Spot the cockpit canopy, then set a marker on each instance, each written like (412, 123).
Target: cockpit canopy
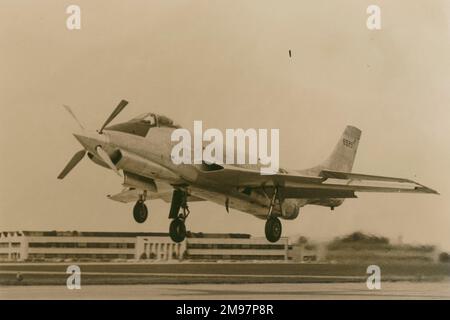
(141, 124)
(156, 120)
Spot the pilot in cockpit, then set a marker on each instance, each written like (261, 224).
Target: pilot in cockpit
(143, 123)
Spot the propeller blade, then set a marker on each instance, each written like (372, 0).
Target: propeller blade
(114, 114)
(69, 110)
(105, 157)
(72, 163)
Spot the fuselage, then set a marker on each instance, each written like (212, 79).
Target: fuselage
(149, 156)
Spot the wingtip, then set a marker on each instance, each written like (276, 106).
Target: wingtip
(429, 190)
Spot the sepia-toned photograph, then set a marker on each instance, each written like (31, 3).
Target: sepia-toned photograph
(225, 150)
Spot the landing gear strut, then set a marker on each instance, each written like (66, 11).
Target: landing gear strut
(273, 227)
(140, 211)
(177, 229)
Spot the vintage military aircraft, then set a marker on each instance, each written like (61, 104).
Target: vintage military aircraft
(141, 148)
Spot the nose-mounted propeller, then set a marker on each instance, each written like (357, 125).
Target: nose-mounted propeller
(99, 150)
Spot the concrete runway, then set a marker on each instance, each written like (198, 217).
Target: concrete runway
(344, 291)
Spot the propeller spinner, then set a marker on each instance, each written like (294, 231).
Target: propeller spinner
(92, 142)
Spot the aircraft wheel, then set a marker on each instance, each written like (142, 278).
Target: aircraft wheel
(273, 229)
(140, 212)
(177, 230)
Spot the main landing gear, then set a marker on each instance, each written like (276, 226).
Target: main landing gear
(140, 211)
(273, 227)
(177, 229)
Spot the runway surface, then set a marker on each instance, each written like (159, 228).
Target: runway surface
(344, 291)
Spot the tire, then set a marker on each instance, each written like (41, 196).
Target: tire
(273, 229)
(140, 212)
(177, 230)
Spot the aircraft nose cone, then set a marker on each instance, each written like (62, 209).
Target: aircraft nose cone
(81, 139)
(90, 140)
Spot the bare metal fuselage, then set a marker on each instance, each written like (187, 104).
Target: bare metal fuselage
(150, 157)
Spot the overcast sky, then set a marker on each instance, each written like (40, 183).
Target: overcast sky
(227, 63)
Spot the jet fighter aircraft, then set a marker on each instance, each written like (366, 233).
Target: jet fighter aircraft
(141, 149)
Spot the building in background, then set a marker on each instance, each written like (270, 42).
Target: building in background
(61, 245)
(110, 246)
(211, 247)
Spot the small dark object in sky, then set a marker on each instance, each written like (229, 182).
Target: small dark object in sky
(290, 55)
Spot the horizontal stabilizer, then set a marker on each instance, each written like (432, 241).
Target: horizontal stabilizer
(414, 186)
(357, 176)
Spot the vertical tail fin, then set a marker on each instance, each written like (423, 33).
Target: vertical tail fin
(343, 155)
(341, 159)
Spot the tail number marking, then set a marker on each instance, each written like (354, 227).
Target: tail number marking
(348, 143)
